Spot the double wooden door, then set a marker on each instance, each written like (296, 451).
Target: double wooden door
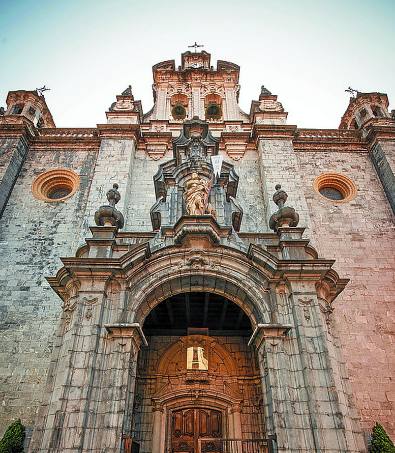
(189, 425)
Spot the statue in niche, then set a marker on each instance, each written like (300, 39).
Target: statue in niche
(196, 195)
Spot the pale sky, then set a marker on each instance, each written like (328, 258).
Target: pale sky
(305, 51)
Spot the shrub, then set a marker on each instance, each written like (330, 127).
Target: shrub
(12, 441)
(380, 442)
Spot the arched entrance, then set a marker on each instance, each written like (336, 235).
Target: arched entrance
(198, 381)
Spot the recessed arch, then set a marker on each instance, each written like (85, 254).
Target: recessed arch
(220, 270)
(253, 301)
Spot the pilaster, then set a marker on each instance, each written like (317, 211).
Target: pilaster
(14, 146)
(114, 164)
(278, 163)
(381, 139)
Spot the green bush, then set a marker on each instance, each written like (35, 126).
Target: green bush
(12, 441)
(380, 442)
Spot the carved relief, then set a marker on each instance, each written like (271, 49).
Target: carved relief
(70, 298)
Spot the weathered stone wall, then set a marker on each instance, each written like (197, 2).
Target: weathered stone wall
(360, 236)
(250, 193)
(142, 191)
(151, 383)
(383, 158)
(33, 235)
(279, 165)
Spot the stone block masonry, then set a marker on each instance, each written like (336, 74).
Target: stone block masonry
(33, 235)
(360, 235)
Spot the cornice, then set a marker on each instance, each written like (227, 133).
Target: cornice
(341, 140)
(379, 132)
(119, 131)
(17, 130)
(273, 132)
(66, 138)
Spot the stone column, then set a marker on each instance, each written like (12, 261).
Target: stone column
(64, 416)
(196, 102)
(287, 413)
(235, 413)
(158, 431)
(111, 402)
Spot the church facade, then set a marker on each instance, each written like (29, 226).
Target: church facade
(197, 278)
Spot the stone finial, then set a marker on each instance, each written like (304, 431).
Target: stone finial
(128, 91)
(265, 91)
(108, 215)
(286, 215)
(113, 196)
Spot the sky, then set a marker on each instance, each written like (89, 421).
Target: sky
(305, 51)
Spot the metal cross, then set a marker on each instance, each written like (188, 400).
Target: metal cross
(196, 45)
(353, 92)
(40, 91)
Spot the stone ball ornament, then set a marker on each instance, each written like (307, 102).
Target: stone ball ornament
(286, 215)
(108, 215)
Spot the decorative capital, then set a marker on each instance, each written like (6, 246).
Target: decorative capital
(108, 215)
(286, 215)
(271, 332)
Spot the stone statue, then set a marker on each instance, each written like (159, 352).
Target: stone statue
(196, 195)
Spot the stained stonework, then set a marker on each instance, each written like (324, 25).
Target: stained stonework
(315, 370)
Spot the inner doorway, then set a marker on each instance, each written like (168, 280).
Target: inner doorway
(198, 382)
(191, 424)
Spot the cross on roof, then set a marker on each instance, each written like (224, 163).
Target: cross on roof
(196, 45)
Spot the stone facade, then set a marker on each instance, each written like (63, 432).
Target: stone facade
(320, 346)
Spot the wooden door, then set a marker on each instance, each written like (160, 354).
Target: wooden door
(188, 425)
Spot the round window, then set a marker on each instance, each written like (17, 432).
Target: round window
(331, 193)
(335, 187)
(55, 185)
(213, 111)
(179, 112)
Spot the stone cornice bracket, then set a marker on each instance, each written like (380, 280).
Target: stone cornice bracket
(156, 144)
(126, 330)
(330, 286)
(271, 332)
(383, 129)
(235, 143)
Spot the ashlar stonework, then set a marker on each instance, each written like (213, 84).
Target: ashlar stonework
(204, 282)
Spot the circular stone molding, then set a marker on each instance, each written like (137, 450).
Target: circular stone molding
(55, 185)
(333, 185)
